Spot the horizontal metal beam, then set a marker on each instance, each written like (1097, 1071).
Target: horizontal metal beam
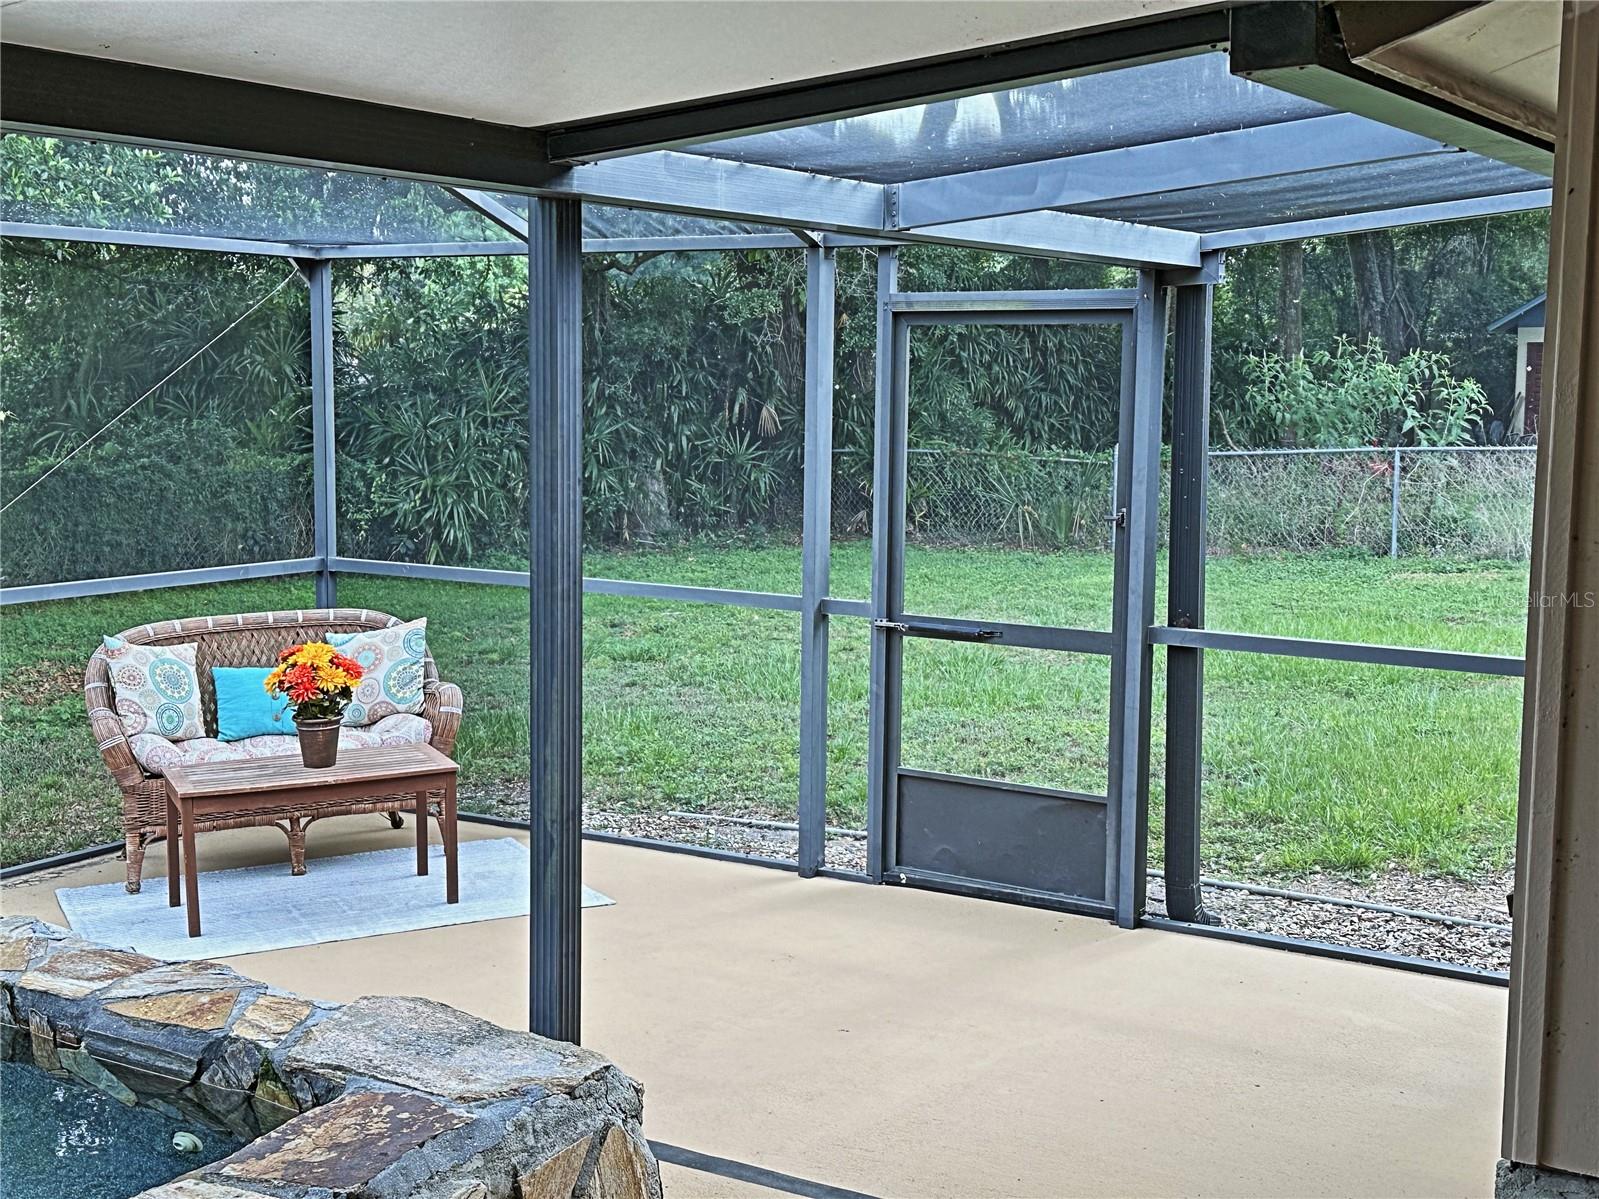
(437, 249)
(429, 570)
(1340, 651)
(156, 239)
(519, 578)
(969, 72)
(1207, 160)
(76, 589)
(437, 572)
(1069, 235)
(673, 182)
(163, 240)
(76, 95)
(1392, 218)
(1112, 301)
(665, 245)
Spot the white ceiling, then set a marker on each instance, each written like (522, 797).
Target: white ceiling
(1501, 59)
(538, 62)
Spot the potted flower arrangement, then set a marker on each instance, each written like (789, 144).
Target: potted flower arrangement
(319, 682)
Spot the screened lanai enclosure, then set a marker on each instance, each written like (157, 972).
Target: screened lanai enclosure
(1005, 502)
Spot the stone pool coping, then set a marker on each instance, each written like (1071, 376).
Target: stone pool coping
(377, 1099)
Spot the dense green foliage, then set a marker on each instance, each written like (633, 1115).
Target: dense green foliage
(1353, 394)
(1435, 287)
(693, 373)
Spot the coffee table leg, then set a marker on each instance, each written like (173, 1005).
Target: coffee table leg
(421, 832)
(174, 884)
(191, 873)
(452, 870)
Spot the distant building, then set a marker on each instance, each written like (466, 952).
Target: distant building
(1527, 321)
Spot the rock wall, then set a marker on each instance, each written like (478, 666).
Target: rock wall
(378, 1099)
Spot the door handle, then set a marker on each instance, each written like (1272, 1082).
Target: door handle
(938, 630)
(1118, 518)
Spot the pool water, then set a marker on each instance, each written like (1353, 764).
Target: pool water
(65, 1141)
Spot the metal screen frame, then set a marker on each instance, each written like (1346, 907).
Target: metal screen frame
(1130, 645)
(1140, 316)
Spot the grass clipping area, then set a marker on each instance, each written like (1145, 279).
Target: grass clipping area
(1309, 766)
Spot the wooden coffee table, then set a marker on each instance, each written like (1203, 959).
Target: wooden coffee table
(268, 786)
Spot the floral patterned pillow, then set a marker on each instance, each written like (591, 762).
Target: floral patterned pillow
(156, 687)
(392, 660)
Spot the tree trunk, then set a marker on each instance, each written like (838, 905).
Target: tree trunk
(1290, 299)
(1379, 306)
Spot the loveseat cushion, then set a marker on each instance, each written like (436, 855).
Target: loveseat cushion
(157, 690)
(157, 755)
(393, 661)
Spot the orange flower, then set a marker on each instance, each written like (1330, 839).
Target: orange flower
(349, 665)
(317, 678)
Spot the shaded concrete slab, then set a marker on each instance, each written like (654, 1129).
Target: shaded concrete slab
(905, 1043)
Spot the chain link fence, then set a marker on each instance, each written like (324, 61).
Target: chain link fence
(981, 497)
(1456, 501)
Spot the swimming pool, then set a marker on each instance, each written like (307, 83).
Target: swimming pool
(62, 1139)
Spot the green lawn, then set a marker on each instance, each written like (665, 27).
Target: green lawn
(1308, 764)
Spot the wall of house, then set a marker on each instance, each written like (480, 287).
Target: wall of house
(1524, 336)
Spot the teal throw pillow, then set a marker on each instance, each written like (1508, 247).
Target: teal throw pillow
(244, 709)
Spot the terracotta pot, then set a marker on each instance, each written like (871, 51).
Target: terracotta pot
(319, 741)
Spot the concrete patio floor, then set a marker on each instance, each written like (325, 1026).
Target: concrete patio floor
(905, 1043)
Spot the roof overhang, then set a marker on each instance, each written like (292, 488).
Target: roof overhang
(1426, 67)
(1024, 208)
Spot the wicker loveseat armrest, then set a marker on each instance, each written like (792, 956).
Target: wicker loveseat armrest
(442, 707)
(106, 725)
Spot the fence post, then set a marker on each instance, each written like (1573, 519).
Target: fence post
(1393, 511)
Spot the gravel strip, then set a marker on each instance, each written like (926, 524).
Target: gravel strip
(1478, 899)
(843, 853)
(1483, 948)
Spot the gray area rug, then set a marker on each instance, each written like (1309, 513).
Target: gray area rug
(257, 908)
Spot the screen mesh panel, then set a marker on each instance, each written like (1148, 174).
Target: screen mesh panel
(1370, 187)
(1134, 106)
(98, 185)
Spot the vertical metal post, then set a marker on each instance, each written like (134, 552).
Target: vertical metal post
(555, 524)
(1185, 600)
(888, 533)
(1138, 502)
(324, 508)
(820, 278)
(1393, 510)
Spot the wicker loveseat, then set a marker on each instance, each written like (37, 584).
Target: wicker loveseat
(250, 639)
